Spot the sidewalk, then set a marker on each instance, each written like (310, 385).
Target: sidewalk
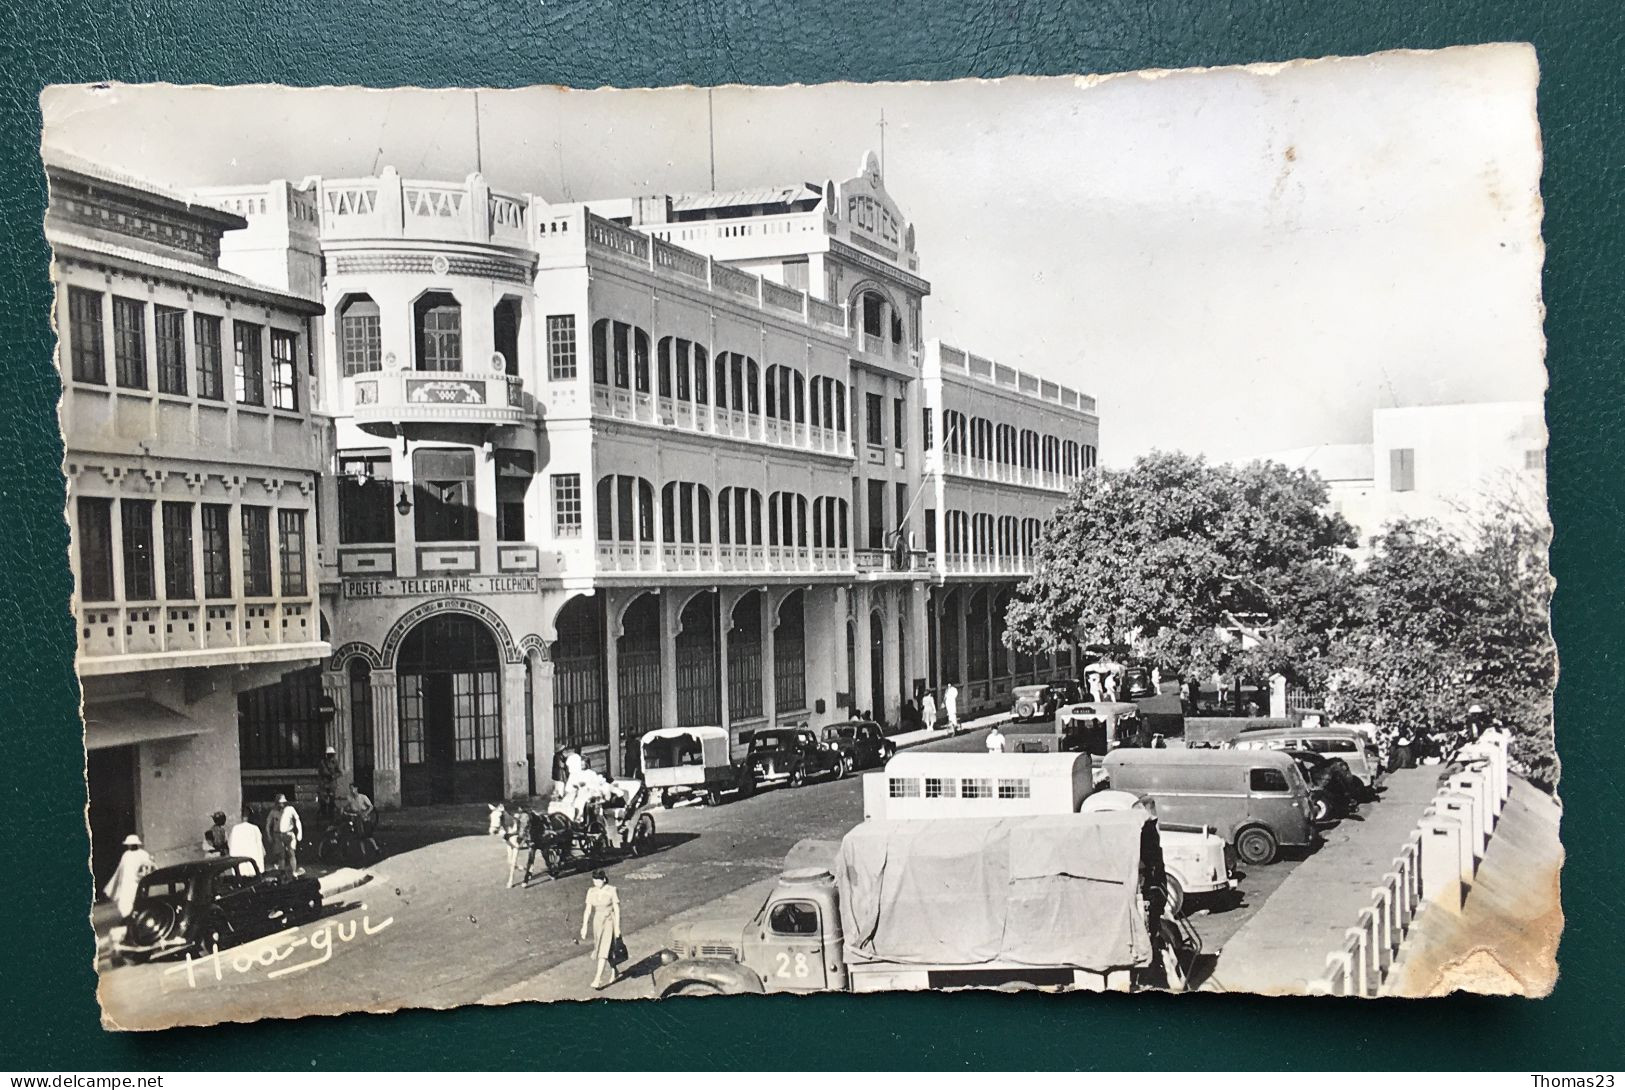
(1502, 943)
(1283, 948)
(920, 737)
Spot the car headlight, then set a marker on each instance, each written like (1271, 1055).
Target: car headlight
(668, 956)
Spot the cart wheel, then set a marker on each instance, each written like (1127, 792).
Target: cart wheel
(643, 834)
(1176, 895)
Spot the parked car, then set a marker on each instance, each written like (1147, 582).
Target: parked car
(1258, 800)
(793, 755)
(861, 742)
(1031, 703)
(1334, 791)
(211, 904)
(1352, 745)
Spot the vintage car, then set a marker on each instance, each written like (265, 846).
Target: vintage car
(861, 742)
(211, 904)
(793, 755)
(1197, 861)
(1099, 727)
(1031, 703)
(1334, 791)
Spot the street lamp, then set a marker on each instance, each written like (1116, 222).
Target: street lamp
(404, 504)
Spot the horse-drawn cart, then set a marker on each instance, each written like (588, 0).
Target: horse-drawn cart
(608, 829)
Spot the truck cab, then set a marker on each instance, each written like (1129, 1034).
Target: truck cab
(792, 944)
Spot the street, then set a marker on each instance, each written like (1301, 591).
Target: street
(438, 920)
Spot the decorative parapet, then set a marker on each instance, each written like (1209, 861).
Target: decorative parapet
(980, 369)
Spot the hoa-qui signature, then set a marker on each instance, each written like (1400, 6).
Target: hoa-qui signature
(278, 948)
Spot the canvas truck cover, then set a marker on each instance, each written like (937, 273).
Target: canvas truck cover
(1055, 890)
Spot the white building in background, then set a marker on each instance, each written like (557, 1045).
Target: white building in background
(1451, 464)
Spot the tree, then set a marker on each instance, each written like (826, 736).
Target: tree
(1166, 553)
(1441, 623)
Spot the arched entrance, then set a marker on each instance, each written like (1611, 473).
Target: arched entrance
(450, 684)
(697, 674)
(361, 757)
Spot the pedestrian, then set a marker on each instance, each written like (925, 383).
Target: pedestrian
(361, 806)
(291, 831)
(135, 864)
(995, 740)
(245, 840)
(950, 700)
(273, 832)
(602, 915)
(928, 711)
(329, 773)
(216, 839)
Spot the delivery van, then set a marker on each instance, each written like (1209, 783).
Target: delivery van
(1257, 800)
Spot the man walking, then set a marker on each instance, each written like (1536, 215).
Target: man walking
(273, 832)
(995, 740)
(950, 700)
(329, 773)
(291, 831)
(135, 864)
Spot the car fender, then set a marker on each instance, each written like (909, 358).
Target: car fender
(728, 977)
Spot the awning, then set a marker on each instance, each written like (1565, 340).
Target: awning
(130, 722)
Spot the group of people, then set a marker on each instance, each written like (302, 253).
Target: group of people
(1403, 747)
(950, 706)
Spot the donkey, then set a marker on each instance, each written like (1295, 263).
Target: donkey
(520, 828)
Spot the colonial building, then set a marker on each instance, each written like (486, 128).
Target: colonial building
(605, 467)
(192, 462)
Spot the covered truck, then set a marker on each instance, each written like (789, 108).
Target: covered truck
(1068, 901)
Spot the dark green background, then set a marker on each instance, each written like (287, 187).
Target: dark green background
(49, 1016)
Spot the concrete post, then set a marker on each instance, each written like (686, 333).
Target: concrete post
(1478, 786)
(1441, 863)
(1451, 804)
(862, 676)
(386, 740)
(515, 766)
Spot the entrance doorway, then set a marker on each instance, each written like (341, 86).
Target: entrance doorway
(111, 778)
(450, 677)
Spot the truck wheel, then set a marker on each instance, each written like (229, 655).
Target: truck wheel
(1175, 905)
(1256, 846)
(1321, 809)
(693, 987)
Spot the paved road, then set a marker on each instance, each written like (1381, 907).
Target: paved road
(440, 929)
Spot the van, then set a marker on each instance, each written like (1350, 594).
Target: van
(1350, 744)
(1257, 799)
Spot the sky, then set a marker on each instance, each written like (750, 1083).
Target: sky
(1232, 261)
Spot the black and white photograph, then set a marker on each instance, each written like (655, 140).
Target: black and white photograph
(1081, 534)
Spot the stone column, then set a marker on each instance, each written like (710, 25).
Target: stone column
(515, 765)
(669, 631)
(336, 687)
(770, 680)
(725, 620)
(612, 678)
(863, 678)
(541, 720)
(914, 623)
(962, 621)
(386, 740)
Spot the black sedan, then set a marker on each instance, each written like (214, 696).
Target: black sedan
(861, 742)
(200, 907)
(1334, 791)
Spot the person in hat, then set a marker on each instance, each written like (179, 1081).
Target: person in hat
(245, 840)
(135, 864)
(602, 916)
(330, 773)
(290, 831)
(216, 838)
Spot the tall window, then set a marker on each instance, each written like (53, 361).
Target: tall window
(291, 541)
(561, 347)
(444, 483)
(505, 332)
(210, 369)
(898, 426)
(85, 335)
(130, 343)
(177, 550)
(284, 372)
(216, 550)
(169, 324)
(566, 505)
(877, 514)
(366, 499)
(256, 551)
(361, 338)
(925, 429)
(249, 368)
(136, 516)
(439, 322)
(280, 725)
(95, 549)
(876, 427)
(515, 470)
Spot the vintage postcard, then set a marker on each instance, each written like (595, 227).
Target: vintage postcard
(1081, 534)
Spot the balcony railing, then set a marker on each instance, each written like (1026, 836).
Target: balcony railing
(111, 634)
(648, 556)
(710, 420)
(383, 401)
(986, 563)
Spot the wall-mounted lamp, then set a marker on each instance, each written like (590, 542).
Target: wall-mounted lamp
(404, 504)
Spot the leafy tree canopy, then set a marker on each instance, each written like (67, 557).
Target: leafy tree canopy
(1163, 554)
